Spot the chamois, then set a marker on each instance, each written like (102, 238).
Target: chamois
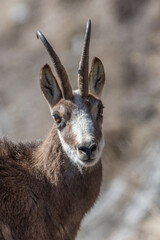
(47, 187)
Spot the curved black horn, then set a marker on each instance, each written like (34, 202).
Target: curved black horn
(84, 63)
(65, 84)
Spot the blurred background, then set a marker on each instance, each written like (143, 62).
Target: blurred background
(126, 37)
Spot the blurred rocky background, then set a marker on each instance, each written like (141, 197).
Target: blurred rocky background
(126, 37)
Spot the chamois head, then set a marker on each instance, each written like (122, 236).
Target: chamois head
(77, 114)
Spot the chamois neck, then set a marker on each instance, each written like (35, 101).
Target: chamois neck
(48, 155)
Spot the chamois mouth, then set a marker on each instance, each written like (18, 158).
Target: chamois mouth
(87, 158)
(88, 162)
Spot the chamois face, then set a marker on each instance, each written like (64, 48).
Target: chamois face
(79, 126)
(77, 114)
(79, 119)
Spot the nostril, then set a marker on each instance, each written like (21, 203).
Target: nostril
(83, 149)
(93, 147)
(88, 151)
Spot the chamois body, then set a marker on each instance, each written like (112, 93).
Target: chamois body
(43, 197)
(47, 187)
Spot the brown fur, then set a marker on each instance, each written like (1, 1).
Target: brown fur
(42, 194)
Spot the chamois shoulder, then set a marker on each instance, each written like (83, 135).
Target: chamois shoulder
(16, 152)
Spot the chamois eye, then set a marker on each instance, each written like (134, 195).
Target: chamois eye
(57, 118)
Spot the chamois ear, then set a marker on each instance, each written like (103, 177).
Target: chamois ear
(49, 86)
(96, 77)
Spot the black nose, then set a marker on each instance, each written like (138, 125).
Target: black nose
(88, 150)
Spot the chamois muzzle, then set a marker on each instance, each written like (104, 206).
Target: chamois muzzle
(87, 152)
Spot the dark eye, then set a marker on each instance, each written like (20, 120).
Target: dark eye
(57, 118)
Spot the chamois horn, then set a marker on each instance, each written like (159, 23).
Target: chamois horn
(64, 80)
(84, 63)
